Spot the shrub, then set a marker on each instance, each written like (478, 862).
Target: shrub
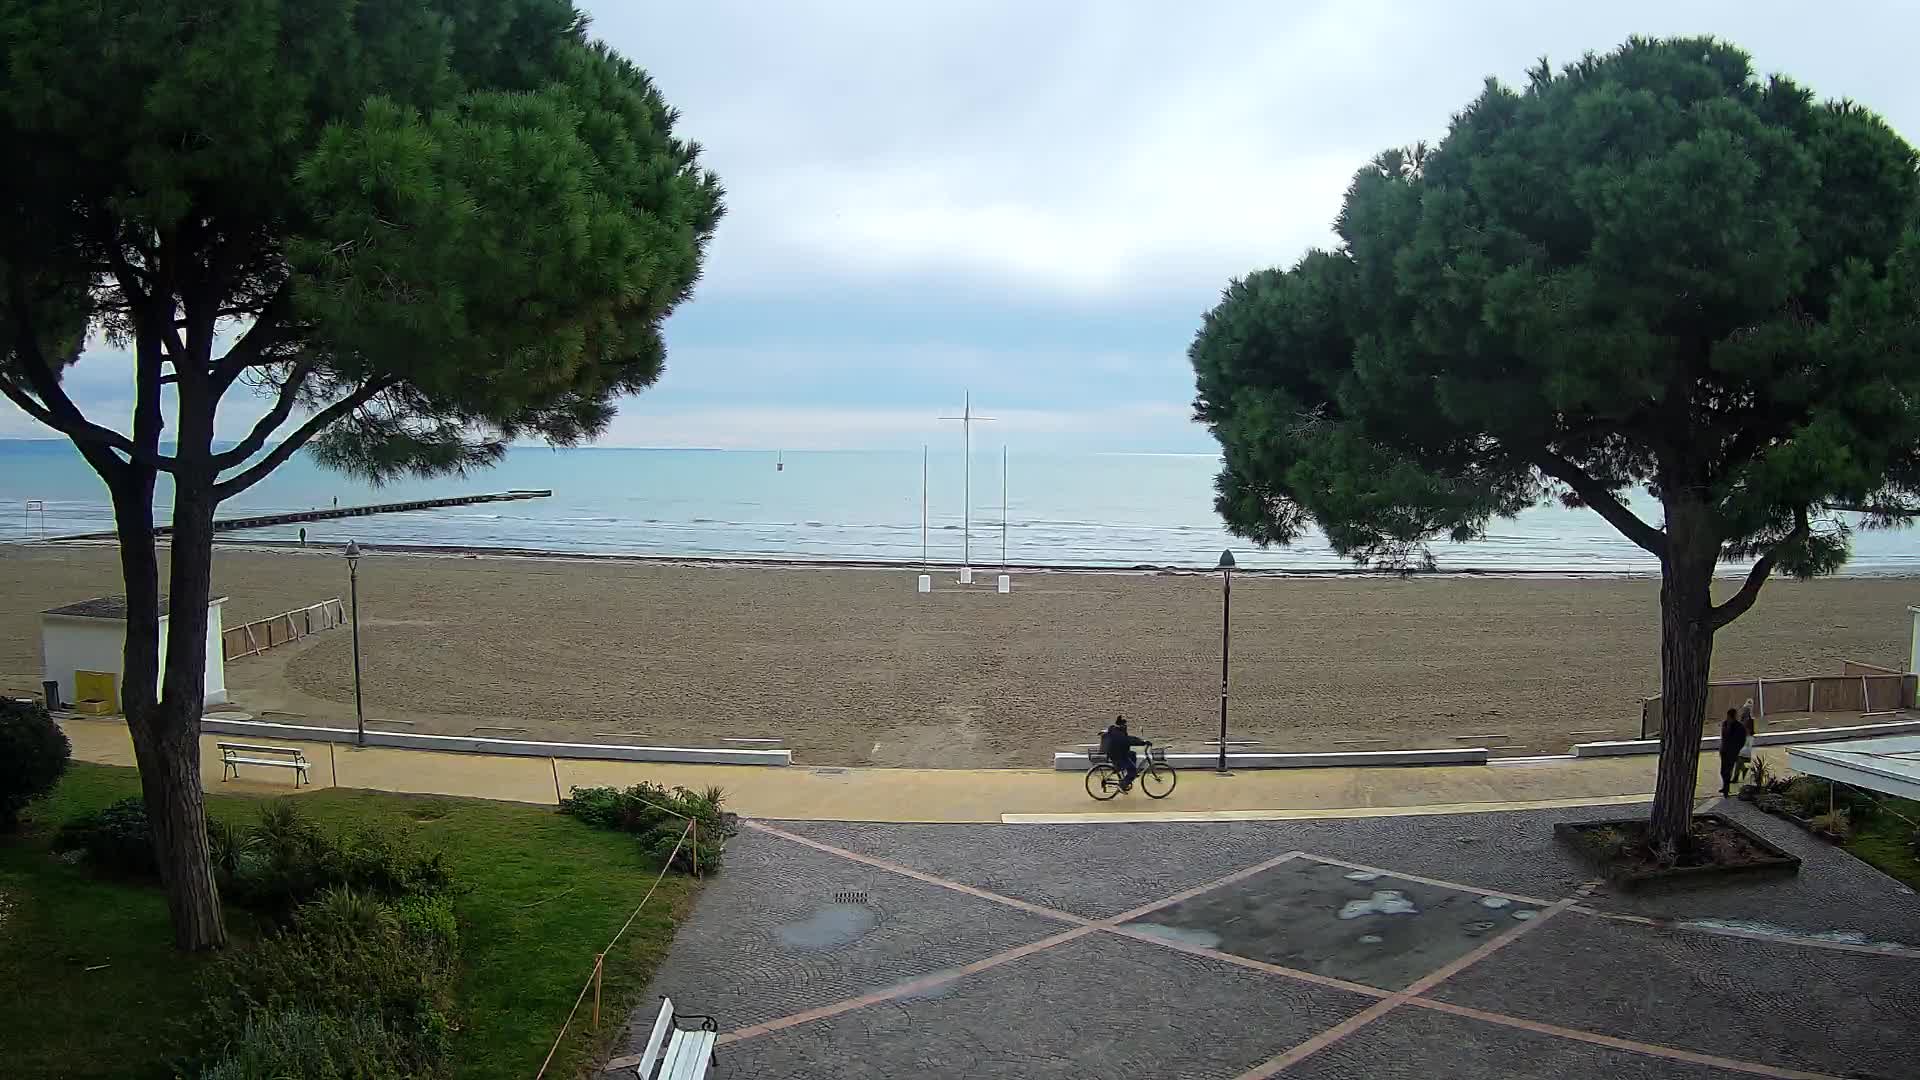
(358, 960)
(33, 757)
(1760, 774)
(1808, 795)
(285, 860)
(1836, 823)
(116, 838)
(657, 815)
(276, 1044)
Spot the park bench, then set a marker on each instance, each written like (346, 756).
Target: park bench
(688, 1053)
(233, 755)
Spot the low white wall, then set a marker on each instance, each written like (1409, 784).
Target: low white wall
(1765, 738)
(513, 747)
(69, 644)
(1475, 755)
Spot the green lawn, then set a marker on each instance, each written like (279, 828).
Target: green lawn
(538, 895)
(1885, 840)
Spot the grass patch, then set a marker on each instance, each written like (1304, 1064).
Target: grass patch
(537, 894)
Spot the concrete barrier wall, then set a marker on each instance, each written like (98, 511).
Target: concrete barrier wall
(1765, 738)
(1476, 755)
(515, 747)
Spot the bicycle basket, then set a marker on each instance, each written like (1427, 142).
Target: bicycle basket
(1156, 755)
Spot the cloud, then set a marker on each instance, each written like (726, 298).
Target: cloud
(1037, 202)
(774, 427)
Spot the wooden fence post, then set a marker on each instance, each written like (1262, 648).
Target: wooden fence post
(599, 962)
(693, 830)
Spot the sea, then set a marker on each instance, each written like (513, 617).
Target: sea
(1026, 509)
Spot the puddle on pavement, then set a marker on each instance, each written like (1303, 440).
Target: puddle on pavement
(1382, 902)
(1763, 929)
(1179, 935)
(1495, 902)
(830, 927)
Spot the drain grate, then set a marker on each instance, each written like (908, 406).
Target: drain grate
(849, 898)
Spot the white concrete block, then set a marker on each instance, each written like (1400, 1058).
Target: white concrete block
(1764, 738)
(1004, 583)
(511, 747)
(926, 583)
(966, 575)
(1467, 755)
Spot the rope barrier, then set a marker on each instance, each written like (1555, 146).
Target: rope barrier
(593, 980)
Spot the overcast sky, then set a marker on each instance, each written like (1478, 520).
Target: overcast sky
(1037, 201)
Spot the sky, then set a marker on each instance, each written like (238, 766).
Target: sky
(1036, 202)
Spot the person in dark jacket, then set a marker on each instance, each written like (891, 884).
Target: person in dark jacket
(1733, 739)
(1118, 743)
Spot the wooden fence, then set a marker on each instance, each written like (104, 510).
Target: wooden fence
(1867, 689)
(257, 637)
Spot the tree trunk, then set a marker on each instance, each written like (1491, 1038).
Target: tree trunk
(1686, 657)
(180, 825)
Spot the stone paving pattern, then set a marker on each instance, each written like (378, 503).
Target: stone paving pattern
(1324, 919)
(768, 940)
(1099, 1006)
(1782, 1004)
(769, 922)
(1419, 1044)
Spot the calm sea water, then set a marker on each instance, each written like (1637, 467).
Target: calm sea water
(1061, 510)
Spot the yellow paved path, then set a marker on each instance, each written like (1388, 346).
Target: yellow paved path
(991, 795)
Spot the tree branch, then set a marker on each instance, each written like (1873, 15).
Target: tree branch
(315, 424)
(268, 424)
(1602, 501)
(267, 330)
(56, 409)
(1741, 602)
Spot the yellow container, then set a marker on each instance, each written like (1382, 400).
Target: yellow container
(97, 693)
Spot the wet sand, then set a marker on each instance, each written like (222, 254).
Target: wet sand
(851, 666)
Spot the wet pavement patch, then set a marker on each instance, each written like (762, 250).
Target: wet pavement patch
(830, 927)
(1356, 925)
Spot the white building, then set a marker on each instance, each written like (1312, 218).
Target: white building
(85, 642)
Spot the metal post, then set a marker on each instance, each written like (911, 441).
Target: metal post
(359, 707)
(1226, 634)
(966, 419)
(1003, 506)
(924, 564)
(966, 512)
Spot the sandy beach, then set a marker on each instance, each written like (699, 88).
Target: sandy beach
(852, 667)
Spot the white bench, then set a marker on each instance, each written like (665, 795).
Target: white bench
(688, 1053)
(233, 755)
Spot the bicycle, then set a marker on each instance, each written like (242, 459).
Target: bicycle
(1157, 778)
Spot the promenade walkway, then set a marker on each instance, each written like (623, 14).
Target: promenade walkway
(934, 795)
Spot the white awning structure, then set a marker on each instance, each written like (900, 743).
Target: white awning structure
(1890, 766)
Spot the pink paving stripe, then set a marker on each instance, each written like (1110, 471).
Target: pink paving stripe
(905, 989)
(1249, 962)
(1381, 1008)
(906, 871)
(1435, 978)
(1323, 1040)
(1238, 875)
(1902, 951)
(1649, 1049)
(1475, 889)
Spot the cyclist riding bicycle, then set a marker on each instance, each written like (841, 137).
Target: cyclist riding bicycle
(1117, 743)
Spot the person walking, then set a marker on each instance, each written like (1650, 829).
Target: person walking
(1734, 736)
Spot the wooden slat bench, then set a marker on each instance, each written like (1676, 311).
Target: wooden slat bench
(688, 1053)
(233, 755)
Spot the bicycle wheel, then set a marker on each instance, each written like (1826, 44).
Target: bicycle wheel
(1103, 782)
(1157, 780)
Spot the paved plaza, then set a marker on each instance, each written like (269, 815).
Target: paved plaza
(1428, 946)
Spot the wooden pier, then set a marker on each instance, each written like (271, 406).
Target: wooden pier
(299, 517)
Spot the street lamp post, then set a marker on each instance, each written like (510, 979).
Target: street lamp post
(353, 579)
(1226, 631)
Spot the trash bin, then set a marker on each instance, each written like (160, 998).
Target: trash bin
(51, 691)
